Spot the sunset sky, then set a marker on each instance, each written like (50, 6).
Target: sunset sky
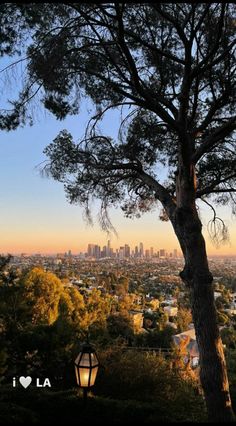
(35, 216)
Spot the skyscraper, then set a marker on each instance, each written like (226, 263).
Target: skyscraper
(127, 250)
(91, 250)
(104, 251)
(162, 253)
(141, 249)
(97, 251)
(121, 252)
(108, 248)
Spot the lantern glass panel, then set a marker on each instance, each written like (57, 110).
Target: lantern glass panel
(77, 375)
(84, 376)
(93, 375)
(94, 360)
(85, 361)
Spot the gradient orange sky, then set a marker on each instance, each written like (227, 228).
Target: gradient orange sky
(63, 229)
(35, 216)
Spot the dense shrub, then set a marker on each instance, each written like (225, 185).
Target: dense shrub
(147, 377)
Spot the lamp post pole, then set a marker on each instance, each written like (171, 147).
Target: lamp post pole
(85, 396)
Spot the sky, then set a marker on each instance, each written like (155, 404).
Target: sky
(35, 216)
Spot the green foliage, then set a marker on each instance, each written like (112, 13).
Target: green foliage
(42, 291)
(119, 325)
(222, 317)
(47, 346)
(231, 362)
(67, 407)
(183, 319)
(228, 336)
(223, 301)
(98, 307)
(72, 307)
(13, 307)
(41, 321)
(157, 338)
(13, 39)
(122, 286)
(146, 377)
(12, 413)
(3, 362)
(46, 319)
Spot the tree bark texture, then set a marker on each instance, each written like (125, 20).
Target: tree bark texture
(196, 275)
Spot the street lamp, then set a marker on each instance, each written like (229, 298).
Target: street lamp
(86, 368)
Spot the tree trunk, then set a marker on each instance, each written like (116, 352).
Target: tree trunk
(196, 275)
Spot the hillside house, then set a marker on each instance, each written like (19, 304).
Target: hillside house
(192, 347)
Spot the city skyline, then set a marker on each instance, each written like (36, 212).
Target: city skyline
(105, 249)
(126, 251)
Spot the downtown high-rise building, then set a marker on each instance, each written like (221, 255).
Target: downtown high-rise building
(127, 250)
(141, 249)
(108, 251)
(90, 250)
(122, 253)
(162, 253)
(94, 250)
(97, 251)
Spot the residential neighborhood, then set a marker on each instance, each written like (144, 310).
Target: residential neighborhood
(150, 289)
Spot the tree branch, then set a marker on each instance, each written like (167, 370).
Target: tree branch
(201, 19)
(212, 187)
(215, 106)
(138, 83)
(148, 100)
(199, 194)
(200, 66)
(174, 21)
(198, 70)
(160, 192)
(218, 135)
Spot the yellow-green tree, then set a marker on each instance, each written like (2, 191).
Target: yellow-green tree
(42, 292)
(122, 287)
(126, 302)
(98, 307)
(72, 307)
(184, 318)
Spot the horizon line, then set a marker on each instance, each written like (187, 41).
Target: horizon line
(180, 254)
